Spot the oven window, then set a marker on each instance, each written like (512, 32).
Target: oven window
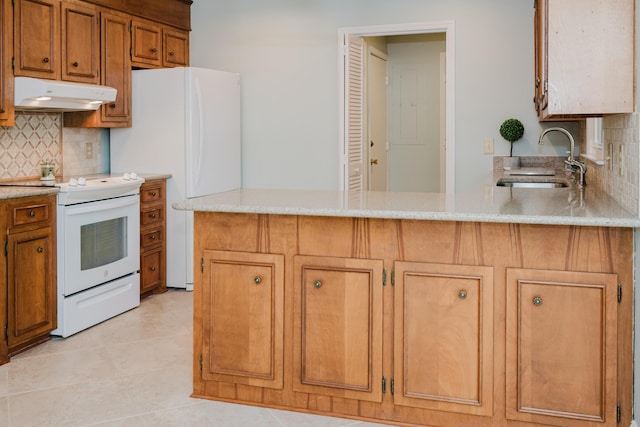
(103, 243)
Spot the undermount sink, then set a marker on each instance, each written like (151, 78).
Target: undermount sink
(515, 183)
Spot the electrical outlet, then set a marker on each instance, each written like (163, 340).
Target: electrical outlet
(487, 145)
(88, 150)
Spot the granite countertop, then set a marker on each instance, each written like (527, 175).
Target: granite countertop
(16, 192)
(567, 206)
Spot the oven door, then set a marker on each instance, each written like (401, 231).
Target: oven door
(97, 242)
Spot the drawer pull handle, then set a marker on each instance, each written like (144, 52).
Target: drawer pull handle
(32, 214)
(40, 250)
(152, 268)
(317, 284)
(537, 301)
(462, 294)
(152, 215)
(152, 237)
(257, 280)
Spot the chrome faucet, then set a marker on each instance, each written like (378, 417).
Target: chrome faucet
(571, 162)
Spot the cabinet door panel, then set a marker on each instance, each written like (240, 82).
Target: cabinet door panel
(561, 344)
(243, 307)
(175, 46)
(37, 38)
(443, 332)
(338, 327)
(146, 43)
(80, 44)
(31, 285)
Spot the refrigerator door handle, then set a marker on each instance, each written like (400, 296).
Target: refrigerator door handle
(196, 176)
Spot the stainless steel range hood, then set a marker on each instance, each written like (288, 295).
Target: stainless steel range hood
(54, 95)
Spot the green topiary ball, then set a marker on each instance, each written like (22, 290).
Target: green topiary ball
(511, 130)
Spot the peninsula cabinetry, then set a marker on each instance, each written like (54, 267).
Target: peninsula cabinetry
(152, 237)
(31, 271)
(584, 45)
(561, 343)
(415, 322)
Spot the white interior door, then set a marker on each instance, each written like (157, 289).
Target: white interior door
(354, 106)
(377, 120)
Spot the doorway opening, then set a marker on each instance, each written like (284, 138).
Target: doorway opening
(408, 143)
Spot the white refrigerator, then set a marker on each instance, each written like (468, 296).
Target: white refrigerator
(186, 122)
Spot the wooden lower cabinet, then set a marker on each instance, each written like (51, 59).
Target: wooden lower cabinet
(337, 323)
(561, 345)
(153, 224)
(31, 271)
(443, 337)
(416, 323)
(243, 301)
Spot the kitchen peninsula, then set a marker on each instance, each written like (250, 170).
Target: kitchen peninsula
(488, 309)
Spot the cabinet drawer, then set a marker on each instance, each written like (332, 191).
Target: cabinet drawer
(151, 194)
(151, 238)
(151, 269)
(32, 213)
(152, 215)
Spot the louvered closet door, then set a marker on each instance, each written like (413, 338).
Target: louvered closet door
(354, 106)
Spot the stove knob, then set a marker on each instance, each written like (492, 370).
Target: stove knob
(73, 182)
(126, 176)
(82, 181)
(134, 176)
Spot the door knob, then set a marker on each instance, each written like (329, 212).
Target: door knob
(374, 161)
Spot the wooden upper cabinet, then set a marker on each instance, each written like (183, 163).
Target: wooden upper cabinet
(175, 44)
(584, 58)
(7, 117)
(146, 43)
(80, 43)
(37, 38)
(561, 344)
(443, 337)
(115, 66)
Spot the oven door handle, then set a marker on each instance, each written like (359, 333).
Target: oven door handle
(101, 205)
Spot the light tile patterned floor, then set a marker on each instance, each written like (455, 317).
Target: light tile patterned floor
(132, 370)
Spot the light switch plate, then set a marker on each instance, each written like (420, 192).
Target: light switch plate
(487, 145)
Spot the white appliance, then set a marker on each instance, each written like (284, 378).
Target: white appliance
(41, 94)
(98, 250)
(186, 122)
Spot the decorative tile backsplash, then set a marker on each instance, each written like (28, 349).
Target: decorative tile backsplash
(34, 138)
(620, 131)
(37, 137)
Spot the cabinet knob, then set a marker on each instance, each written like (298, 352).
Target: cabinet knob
(45, 60)
(257, 280)
(537, 301)
(75, 64)
(154, 50)
(40, 249)
(152, 237)
(462, 294)
(153, 194)
(171, 53)
(112, 105)
(32, 214)
(152, 268)
(317, 284)
(152, 215)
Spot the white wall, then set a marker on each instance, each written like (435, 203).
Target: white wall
(286, 52)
